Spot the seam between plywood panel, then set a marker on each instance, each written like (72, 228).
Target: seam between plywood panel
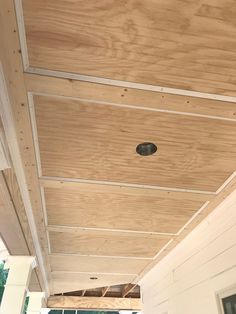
(123, 184)
(101, 256)
(129, 96)
(92, 273)
(105, 81)
(136, 106)
(60, 228)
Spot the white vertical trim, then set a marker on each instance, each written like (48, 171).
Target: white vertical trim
(5, 162)
(36, 300)
(8, 124)
(224, 294)
(45, 216)
(38, 160)
(21, 29)
(20, 270)
(35, 132)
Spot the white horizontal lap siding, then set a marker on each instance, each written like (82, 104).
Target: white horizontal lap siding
(187, 280)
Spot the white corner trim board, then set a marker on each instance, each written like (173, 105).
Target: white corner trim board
(8, 124)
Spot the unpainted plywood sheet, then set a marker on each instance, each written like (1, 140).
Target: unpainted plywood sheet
(125, 209)
(187, 45)
(92, 264)
(98, 142)
(100, 243)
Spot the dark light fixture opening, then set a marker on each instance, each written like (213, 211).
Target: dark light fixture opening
(146, 149)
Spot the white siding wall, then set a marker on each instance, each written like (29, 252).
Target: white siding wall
(186, 281)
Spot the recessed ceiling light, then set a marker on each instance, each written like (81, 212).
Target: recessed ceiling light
(146, 149)
(93, 278)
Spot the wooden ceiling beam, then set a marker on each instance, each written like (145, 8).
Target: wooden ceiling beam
(93, 303)
(104, 291)
(17, 126)
(127, 289)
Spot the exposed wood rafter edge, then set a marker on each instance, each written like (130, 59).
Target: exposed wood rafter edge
(94, 303)
(127, 289)
(8, 124)
(104, 291)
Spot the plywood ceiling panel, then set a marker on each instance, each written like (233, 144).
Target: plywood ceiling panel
(99, 243)
(188, 45)
(95, 141)
(91, 264)
(124, 210)
(62, 281)
(106, 205)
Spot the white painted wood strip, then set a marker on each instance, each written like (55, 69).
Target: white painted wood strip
(130, 185)
(102, 256)
(61, 228)
(136, 107)
(21, 29)
(106, 81)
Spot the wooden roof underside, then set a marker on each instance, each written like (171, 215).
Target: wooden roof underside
(90, 80)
